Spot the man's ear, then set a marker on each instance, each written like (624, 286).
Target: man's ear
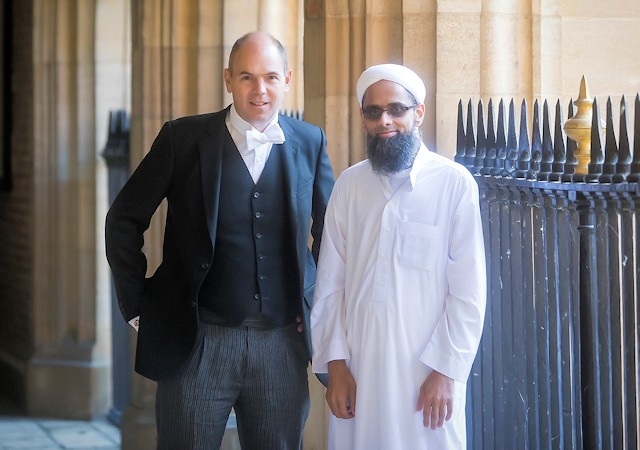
(227, 79)
(287, 79)
(419, 114)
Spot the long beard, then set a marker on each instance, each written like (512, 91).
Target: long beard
(391, 155)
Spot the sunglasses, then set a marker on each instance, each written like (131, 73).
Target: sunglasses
(374, 112)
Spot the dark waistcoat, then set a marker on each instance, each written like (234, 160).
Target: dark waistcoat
(254, 265)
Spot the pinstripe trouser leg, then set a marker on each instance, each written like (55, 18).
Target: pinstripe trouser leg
(262, 373)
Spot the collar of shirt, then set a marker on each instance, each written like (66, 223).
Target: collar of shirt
(238, 128)
(397, 179)
(421, 160)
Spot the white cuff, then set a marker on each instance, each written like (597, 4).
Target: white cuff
(135, 322)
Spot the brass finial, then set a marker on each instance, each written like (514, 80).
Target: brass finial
(578, 127)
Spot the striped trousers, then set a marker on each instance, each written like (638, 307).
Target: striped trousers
(261, 373)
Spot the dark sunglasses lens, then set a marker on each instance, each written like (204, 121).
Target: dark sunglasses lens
(394, 110)
(398, 110)
(372, 112)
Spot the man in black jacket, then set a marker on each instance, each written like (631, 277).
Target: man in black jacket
(223, 321)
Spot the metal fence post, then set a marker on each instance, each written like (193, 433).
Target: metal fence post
(116, 155)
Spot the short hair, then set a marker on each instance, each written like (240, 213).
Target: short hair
(241, 40)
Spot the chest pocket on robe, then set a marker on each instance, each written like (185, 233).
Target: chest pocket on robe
(419, 245)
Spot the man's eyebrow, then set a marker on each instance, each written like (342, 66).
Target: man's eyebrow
(385, 106)
(244, 72)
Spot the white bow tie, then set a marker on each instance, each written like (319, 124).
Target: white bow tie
(272, 134)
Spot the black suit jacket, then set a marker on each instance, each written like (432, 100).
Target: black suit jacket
(184, 167)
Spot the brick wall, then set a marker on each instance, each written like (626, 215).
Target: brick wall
(16, 249)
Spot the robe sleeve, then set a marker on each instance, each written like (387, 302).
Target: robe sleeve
(453, 345)
(328, 329)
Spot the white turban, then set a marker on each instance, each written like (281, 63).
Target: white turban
(402, 75)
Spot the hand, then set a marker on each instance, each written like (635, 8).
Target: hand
(341, 390)
(300, 326)
(436, 400)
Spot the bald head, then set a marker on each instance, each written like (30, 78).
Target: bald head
(257, 78)
(257, 39)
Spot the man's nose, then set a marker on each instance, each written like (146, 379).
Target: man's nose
(260, 86)
(385, 117)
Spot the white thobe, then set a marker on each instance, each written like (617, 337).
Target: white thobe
(400, 291)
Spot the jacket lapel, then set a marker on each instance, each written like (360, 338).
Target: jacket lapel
(289, 159)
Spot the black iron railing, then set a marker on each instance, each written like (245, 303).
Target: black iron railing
(558, 362)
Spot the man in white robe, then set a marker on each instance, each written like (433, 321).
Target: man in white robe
(400, 291)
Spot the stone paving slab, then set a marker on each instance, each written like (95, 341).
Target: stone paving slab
(18, 433)
(43, 434)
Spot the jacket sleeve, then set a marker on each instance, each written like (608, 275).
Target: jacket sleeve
(129, 217)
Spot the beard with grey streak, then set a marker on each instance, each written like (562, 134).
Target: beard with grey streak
(391, 155)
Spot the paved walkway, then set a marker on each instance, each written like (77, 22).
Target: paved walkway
(29, 433)
(19, 432)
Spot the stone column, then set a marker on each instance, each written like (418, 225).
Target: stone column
(502, 57)
(547, 49)
(334, 52)
(419, 52)
(458, 61)
(69, 374)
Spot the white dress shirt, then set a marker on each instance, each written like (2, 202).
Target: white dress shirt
(254, 158)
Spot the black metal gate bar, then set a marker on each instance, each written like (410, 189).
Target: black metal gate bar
(116, 155)
(559, 360)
